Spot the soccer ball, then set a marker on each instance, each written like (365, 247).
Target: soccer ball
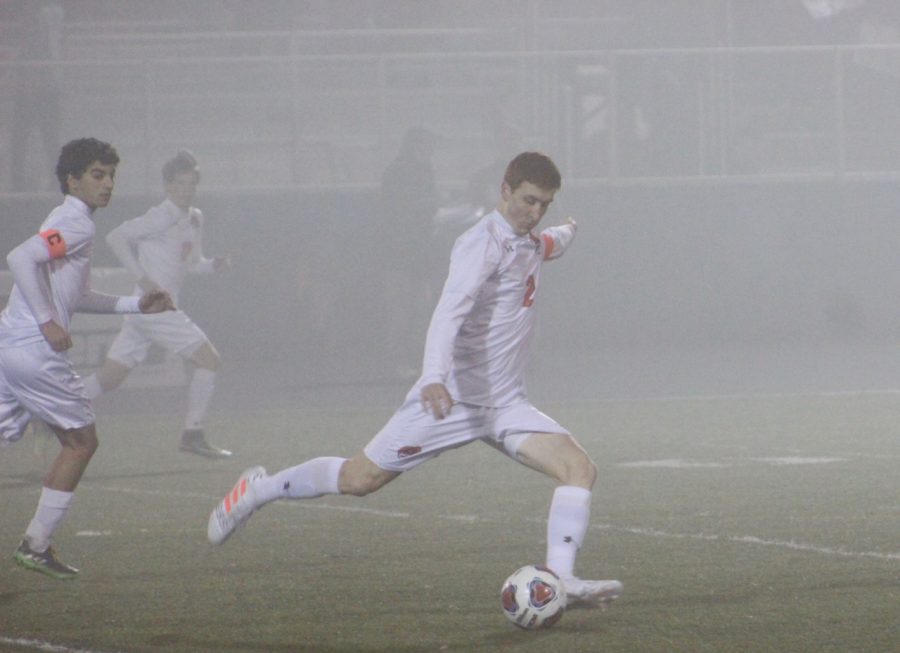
(533, 597)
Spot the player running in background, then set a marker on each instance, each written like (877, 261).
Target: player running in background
(472, 385)
(52, 272)
(160, 248)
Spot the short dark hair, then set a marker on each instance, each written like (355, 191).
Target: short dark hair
(184, 161)
(535, 168)
(77, 156)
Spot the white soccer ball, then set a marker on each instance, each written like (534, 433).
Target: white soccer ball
(533, 597)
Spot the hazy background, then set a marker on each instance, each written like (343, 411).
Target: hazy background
(733, 166)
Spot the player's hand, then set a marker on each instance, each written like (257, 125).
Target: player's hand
(59, 338)
(156, 301)
(437, 399)
(571, 221)
(222, 263)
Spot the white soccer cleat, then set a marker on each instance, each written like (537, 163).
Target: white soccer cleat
(235, 509)
(591, 593)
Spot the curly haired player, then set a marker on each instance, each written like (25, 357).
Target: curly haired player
(52, 271)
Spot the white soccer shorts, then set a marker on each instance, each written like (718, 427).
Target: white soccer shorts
(35, 380)
(413, 436)
(171, 330)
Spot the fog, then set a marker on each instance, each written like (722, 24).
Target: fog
(732, 165)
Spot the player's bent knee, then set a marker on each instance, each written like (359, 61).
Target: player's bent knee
(112, 375)
(559, 456)
(206, 357)
(578, 469)
(588, 472)
(88, 444)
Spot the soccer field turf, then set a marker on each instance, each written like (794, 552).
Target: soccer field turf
(736, 524)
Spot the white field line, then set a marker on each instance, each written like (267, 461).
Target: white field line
(37, 645)
(871, 456)
(797, 452)
(886, 392)
(649, 532)
(682, 463)
(749, 539)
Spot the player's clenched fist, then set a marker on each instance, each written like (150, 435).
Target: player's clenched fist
(156, 301)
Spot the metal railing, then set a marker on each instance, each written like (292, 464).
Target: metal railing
(612, 116)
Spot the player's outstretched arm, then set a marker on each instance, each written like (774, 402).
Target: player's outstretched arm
(156, 301)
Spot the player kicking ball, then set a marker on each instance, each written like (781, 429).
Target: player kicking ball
(472, 385)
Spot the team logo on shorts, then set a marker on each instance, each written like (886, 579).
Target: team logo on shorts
(406, 452)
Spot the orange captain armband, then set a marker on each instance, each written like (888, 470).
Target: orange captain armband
(55, 243)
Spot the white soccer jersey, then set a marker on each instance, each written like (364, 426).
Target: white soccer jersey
(480, 331)
(168, 241)
(63, 278)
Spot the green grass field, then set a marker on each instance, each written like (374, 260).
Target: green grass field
(753, 524)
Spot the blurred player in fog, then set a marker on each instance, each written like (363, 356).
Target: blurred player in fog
(160, 248)
(52, 273)
(472, 385)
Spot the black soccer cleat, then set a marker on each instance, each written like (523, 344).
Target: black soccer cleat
(45, 562)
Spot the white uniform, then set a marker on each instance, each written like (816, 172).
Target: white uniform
(168, 242)
(52, 280)
(477, 346)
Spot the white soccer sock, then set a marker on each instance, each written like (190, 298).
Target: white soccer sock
(92, 387)
(52, 507)
(570, 512)
(200, 392)
(305, 481)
